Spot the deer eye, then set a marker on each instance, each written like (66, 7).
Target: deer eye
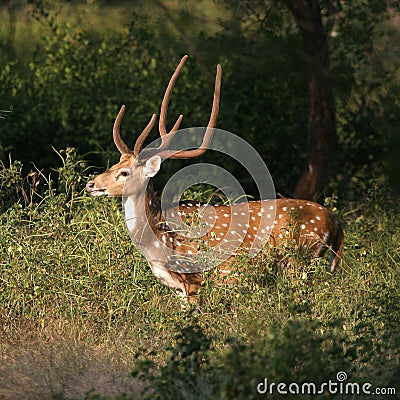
(124, 173)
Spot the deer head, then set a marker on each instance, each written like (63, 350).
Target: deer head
(139, 165)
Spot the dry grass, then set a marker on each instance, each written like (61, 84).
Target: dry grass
(47, 366)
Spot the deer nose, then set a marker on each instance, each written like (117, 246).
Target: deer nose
(90, 186)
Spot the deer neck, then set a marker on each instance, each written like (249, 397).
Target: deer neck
(144, 219)
(146, 225)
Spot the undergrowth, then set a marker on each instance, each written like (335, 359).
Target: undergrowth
(80, 311)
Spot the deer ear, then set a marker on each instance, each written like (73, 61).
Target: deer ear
(152, 166)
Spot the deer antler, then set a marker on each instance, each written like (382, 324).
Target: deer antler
(164, 105)
(163, 113)
(142, 137)
(120, 144)
(211, 123)
(166, 138)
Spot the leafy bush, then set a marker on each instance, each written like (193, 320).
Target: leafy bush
(73, 88)
(12, 185)
(69, 92)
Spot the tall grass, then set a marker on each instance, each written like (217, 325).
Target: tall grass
(80, 309)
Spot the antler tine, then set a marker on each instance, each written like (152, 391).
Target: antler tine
(119, 143)
(164, 104)
(211, 124)
(142, 137)
(177, 124)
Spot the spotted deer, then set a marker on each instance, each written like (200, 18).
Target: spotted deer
(177, 259)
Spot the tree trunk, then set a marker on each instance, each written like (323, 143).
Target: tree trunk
(322, 124)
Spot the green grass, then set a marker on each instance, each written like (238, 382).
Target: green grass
(80, 309)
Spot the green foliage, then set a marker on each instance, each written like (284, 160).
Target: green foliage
(69, 91)
(56, 100)
(293, 352)
(12, 185)
(363, 63)
(186, 372)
